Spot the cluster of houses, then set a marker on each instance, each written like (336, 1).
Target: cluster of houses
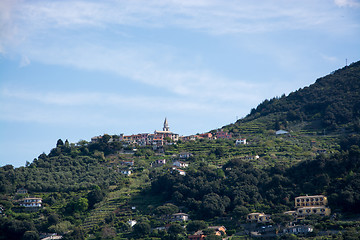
(305, 206)
(166, 137)
(176, 165)
(28, 202)
(200, 235)
(125, 167)
(183, 217)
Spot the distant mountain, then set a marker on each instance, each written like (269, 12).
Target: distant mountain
(332, 102)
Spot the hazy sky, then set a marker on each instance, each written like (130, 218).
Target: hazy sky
(77, 69)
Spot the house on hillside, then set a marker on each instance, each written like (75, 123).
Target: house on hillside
(181, 217)
(258, 217)
(205, 136)
(188, 138)
(180, 164)
(129, 163)
(281, 132)
(300, 229)
(22, 191)
(181, 172)
(310, 205)
(31, 202)
(199, 235)
(185, 155)
(250, 157)
(219, 230)
(158, 163)
(132, 222)
(311, 201)
(241, 141)
(126, 172)
(223, 135)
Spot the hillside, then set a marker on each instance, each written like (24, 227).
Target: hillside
(90, 190)
(331, 103)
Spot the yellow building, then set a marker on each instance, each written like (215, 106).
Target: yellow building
(310, 201)
(306, 211)
(258, 217)
(309, 205)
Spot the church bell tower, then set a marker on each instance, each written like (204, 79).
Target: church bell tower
(166, 126)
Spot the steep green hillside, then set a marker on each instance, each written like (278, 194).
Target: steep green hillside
(331, 103)
(90, 190)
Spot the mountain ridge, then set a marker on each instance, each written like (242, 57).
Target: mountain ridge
(333, 101)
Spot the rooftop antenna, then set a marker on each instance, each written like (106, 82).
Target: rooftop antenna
(346, 62)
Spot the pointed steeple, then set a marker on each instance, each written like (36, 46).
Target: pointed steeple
(166, 126)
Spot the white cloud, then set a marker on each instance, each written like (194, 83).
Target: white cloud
(147, 66)
(93, 108)
(347, 3)
(25, 61)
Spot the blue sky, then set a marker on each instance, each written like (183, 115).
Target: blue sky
(77, 69)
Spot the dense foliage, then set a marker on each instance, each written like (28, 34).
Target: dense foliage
(334, 100)
(238, 186)
(66, 168)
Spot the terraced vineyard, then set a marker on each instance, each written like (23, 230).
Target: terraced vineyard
(116, 200)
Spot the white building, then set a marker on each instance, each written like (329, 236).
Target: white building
(180, 164)
(31, 202)
(241, 141)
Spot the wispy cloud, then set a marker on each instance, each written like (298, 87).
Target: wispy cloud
(347, 3)
(214, 16)
(76, 107)
(146, 66)
(24, 18)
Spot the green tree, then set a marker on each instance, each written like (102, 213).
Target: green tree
(212, 205)
(59, 143)
(176, 229)
(53, 219)
(30, 235)
(166, 209)
(196, 225)
(82, 205)
(240, 212)
(67, 144)
(142, 229)
(95, 196)
(105, 138)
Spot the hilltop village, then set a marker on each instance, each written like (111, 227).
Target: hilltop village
(165, 137)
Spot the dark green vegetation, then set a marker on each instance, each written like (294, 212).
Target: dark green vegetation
(85, 195)
(332, 102)
(208, 191)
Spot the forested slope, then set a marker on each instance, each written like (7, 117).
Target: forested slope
(333, 100)
(238, 185)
